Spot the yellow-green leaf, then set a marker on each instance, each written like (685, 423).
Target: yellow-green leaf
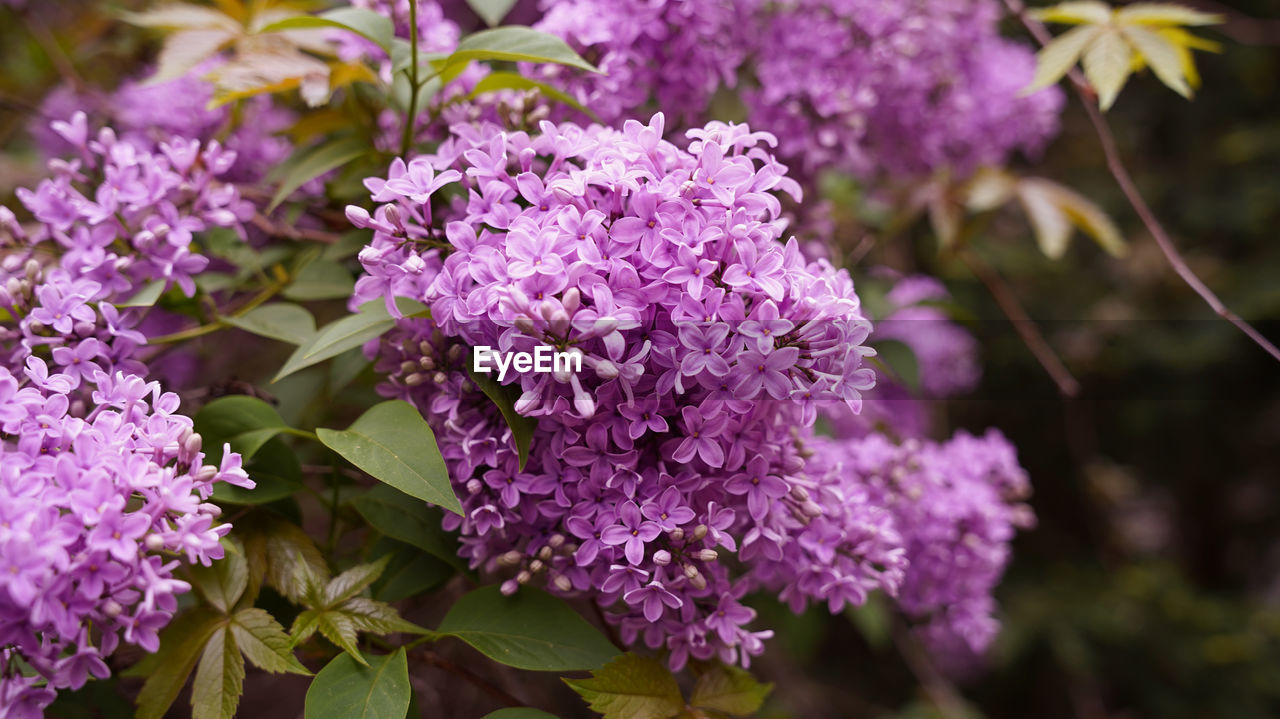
(180, 16)
(167, 670)
(264, 642)
(1060, 55)
(185, 49)
(1108, 61)
(1164, 14)
(631, 687)
(1085, 12)
(1051, 225)
(1161, 56)
(729, 689)
(219, 678)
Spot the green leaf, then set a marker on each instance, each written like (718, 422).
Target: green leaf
(306, 164)
(1108, 61)
(492, 11)
(245, 422)
(410, 572)
(146, 296)
(519, 713)
(321, 280)
(394, 444)
(369, 615)
(276, 473)
(515, 44)
(223, 583)
(873, 621)
(264, 642)
(373, 26)
(495, 81)
(528, 630)
(339, 629)
(219, 678)
(353, 581)
(348, 245)
(521, 427)
(346, 690)
(631, 687)
(274, 547)
(279, 321)
(729, 689)
(403, 518)
(347, 333)
(902, 362)
(167, 670)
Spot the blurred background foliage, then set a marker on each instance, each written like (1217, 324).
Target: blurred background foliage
(1151, 587)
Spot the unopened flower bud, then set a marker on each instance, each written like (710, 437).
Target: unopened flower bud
(474, 486)
(524, 576)
(562, 583)
(415, 379)
(153, 542)
(509, 587)
(706, 555)
(545, 553)
(811, 508)
(690, 571)
(511, 558)
(112, 608)
(427, 362)
(193, 443)
(662, 557)
(799, 493)
(676, 534)
(699, 532)
(572, 300)
(526, 325)
(536, 566)
(698, 581)
(207, 473)
(408, 367)
(556, 541)
(32, 270)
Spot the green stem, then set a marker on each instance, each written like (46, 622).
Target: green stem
(406, 141)
(218, 323)
(300, 433)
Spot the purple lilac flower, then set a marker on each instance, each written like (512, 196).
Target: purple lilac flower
(642, 466)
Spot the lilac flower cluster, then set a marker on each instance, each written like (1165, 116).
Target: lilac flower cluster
(148, 115)
(908, 87)
(122, 216)
(99, 503)
(673, 53)
(957, 505)
(103, 486)
(707, 342)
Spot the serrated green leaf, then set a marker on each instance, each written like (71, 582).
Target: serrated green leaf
(215, 694)
(353, 581)
(352, 331)
(181, 644)
(729, 689)
(503, 397)
(264, 642)
(403, 518)
(369, 615)
(224, 582)
(519, 713)
(1058, 57)
(492, 11)
(1164, 14)
(282, 321)
(393, 444)
(341, 630)
(373, 26)
(1107, 63)
(275, 547)
(631, 687)
(528, 630)
(345, 689)
(321, 280)
(146, 296)
(1161, 56)
(515, 44)
(306, 164)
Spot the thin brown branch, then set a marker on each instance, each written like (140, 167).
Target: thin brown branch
(1025, 326)
(280, 229)
(498, 693)
(1121, 174)
(941, 693)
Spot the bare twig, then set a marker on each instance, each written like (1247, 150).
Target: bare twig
(1118, 171)
(498, 693)
(279, 229)
(1026, 327)
(941, 692)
